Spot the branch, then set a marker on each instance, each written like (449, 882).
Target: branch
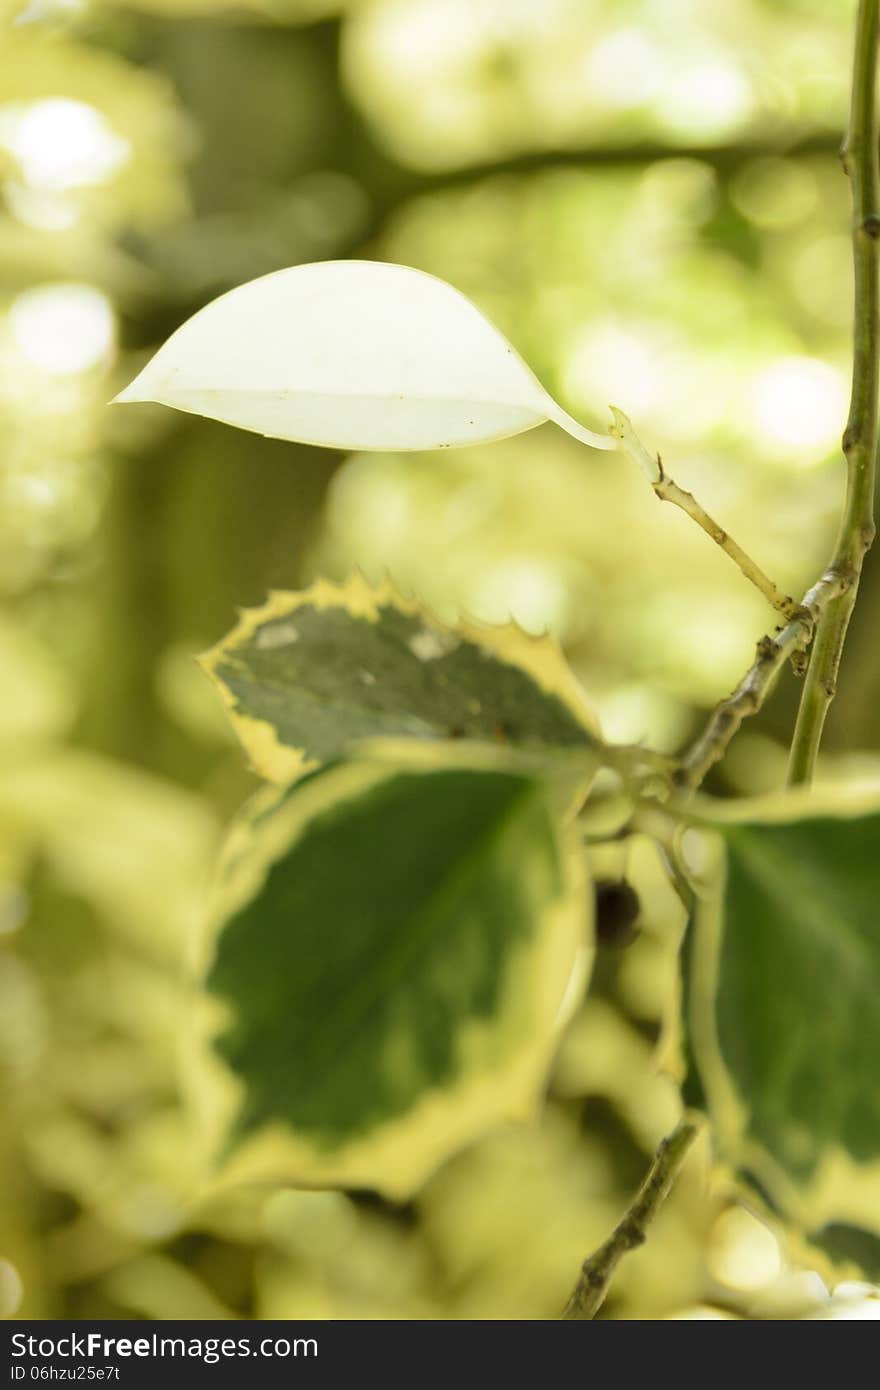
(669, 491)
(773, 651)
(393, 186)
(860, 160)
(630, 1232)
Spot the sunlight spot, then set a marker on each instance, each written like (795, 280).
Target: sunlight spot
(625, 69)
(799, 403)
(61, 144)
(62, 329)
(708, 100)
(419, 40)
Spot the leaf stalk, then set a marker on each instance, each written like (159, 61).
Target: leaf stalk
(669, 491)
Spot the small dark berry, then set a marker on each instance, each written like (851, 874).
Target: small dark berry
(617, 913)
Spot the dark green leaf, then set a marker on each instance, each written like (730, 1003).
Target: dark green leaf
(394, 964)
(783, 1009)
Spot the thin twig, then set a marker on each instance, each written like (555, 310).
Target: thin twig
(860, 160)
(748, 697)
(773, 651)
(669, 491)
(630, 1232)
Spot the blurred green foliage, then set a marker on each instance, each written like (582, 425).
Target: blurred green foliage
(645, 195)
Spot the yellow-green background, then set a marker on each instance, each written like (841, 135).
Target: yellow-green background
(645, 195)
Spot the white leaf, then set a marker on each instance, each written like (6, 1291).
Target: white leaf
(351, 355)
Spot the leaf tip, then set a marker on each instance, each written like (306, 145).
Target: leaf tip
(130, 394)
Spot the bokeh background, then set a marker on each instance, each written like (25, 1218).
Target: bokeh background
(645, 196)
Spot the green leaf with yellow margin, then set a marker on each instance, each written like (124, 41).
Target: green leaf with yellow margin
(310, 674)
(782, 1008)
(397, 951)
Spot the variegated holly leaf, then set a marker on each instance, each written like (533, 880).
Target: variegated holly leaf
(782, 1008)
(310, 674)
(396, 952)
